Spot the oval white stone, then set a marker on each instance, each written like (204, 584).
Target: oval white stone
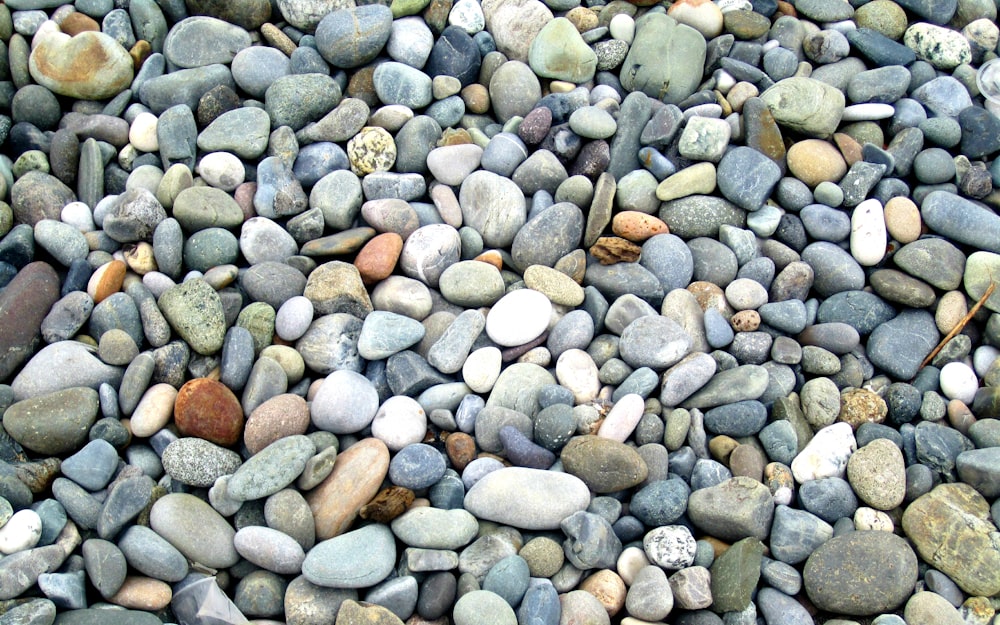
(959, 381)
(624, 416)
(868, 234)
(154, 410)
(530, 499)
(482, 368)
(577, 371)
(21, 532)
(826, 455)
(399, 422)
(518, 317)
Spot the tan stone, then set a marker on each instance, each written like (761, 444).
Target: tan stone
(142, 593)
(281, 416)
(88, 66)
(951, 530)
(902, 219)
(951, 308)
(859, 406)
(609, 589)
(814, 161)
(356, 477)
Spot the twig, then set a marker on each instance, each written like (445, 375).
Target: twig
(960, 325)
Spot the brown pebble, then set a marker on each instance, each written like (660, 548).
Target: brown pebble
(139, 53)
(139, 257)
(785, 8)
(208, 409)
(748, 461)
(37, 475)
(454, 136)
(491, 257)
(461, 449)
(721, 447)
(710, 295)
(106, 281)
(244, 197)
(388, 504)
(859, 406)
(611, 250)
(814, 161)
(362, 86)
(76, 23)
(745, 321)
(960, 416)
(142, 593)
(277, 39)
(377, 259)
(849, 148)
(609, 588)
(476, 98)
(282, 415)
(24, 303)
(582, 18)
(356, 477)
(573, 265)
(637, 227)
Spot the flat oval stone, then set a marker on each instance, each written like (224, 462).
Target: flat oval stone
(271, 469)
(203, 40)
(198, 462)
(518, 317)
(54, 423)
(24, 303)
(356, 477)
(357, 559)
(434, 528)
(527, 498)
(832, 573)
(604, 465)
(195, 529)
(269, 549)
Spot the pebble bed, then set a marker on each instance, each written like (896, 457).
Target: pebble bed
(499, 313)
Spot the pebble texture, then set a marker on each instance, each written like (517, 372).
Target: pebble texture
(512, 311)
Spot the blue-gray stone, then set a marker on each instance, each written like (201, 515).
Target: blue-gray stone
(829, 498)
(522, 452)
(354, 36)
(708, 473)
(780, 609)
(540, 604)
(944, 96)
(124, 502)
(357, 559)
(834, 269)
(746, 177)
(150, 554)
(590, 541)
(779, 441)
(669, 259)
(456, 54)
(66, 590)
(398, 83)
(788, 316)
(317, 160)
(795, 534)
(879, 49)
(661, 502)
(824, 223)
(417, 466)
(938, 446)
(899, 345)
(861, 310)
(718, 331)
(93, 466)
(508, 578)
(53, 517)
(744, 418)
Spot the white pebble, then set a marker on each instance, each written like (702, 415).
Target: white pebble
(293, 318)
(630, 562)
(518, 317)
(746, 294)
(399, 422)
(871, 519)
(623, 417)
(868, 233)
(622, 27)
(21, 532)
(958, 381)
(670, 546)
(868, 112)
(142, 133)
(154, 410)
(983, 358)
(222, 170)
(102, 208)
(78, 215)
(826, 455)
(482, 368)
(577, 371)
(467, 15)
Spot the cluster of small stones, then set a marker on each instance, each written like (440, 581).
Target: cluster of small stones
(506, 312)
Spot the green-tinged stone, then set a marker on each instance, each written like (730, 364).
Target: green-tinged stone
(258, 318)
(735, 575)
(666, 59)
(194, 310)
(560, 53)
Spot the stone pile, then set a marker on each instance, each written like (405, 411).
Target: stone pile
(499, 312)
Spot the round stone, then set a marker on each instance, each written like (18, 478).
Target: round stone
(518, 317)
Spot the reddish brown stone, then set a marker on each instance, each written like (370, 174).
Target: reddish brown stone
(461, 449)
(378, 257)
(745, 321)
(491, 257)
(611, 250)
(850, 148)
(76, 23)
(106, 280)
(281, 416)
(859, 406)
(209, 410)
(23, 305)
(244, 197)
(388, 504)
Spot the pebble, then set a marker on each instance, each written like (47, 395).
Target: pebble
(269, 270)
